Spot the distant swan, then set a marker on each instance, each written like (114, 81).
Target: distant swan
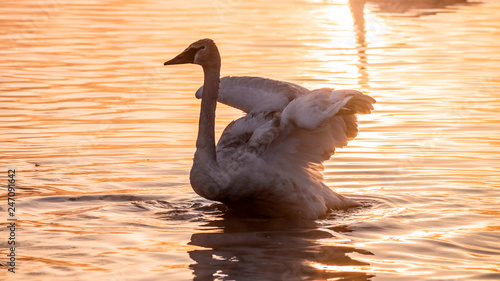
(269, 162)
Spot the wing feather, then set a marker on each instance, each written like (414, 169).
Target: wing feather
(256, 94)
(311, 127)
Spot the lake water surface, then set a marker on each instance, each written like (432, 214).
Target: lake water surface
(101, 136)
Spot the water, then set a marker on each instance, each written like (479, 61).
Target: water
(101, 136)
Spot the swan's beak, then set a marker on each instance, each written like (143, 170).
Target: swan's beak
(180, 59)
(185, 57)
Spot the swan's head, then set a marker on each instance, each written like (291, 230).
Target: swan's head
(203, 52)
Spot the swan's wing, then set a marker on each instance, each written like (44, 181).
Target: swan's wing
(305, 134)
(308, 111)
(247, 137)
(313, 125)
(256, 94)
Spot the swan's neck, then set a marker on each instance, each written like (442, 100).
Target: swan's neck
(205, 144)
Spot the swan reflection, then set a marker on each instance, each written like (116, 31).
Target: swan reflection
(270, 249)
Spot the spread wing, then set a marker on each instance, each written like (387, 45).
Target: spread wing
(288, 126)
(256, 94)
(313, 125)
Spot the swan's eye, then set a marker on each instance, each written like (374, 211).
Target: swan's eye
(196, 50)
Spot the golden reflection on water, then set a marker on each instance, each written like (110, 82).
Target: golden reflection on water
(102, 137)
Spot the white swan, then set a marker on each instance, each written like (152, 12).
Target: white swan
(269, 162)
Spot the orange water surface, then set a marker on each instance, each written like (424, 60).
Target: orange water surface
(101, 136)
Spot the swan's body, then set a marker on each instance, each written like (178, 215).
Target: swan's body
(269, 162)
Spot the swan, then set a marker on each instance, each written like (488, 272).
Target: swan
(269, 162)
